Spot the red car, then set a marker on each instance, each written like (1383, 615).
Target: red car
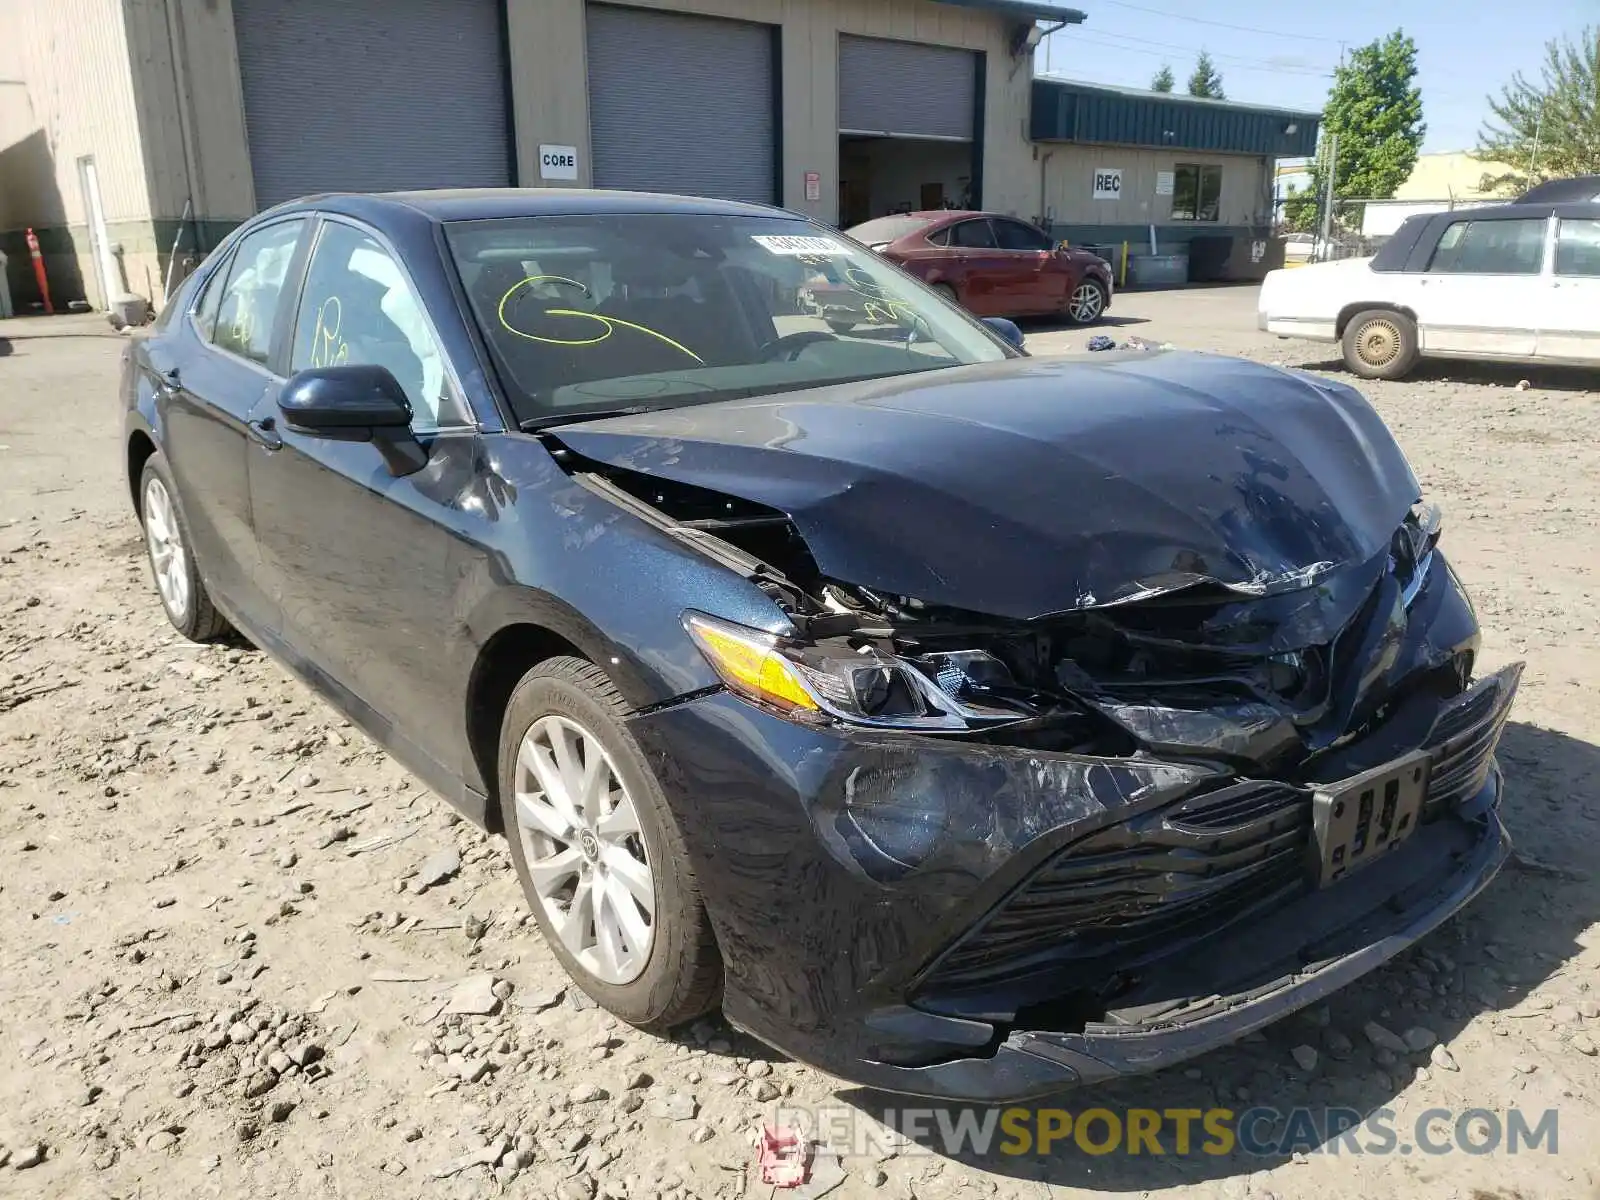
(995, 266)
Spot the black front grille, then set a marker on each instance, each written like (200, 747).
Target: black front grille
(1156, 883)
(1149, 885)
(1463, 742)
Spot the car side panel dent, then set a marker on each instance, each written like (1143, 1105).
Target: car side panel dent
(553, 555)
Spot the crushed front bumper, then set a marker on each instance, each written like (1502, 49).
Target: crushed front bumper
(844, 872)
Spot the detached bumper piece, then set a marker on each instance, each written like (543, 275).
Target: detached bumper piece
(1186, 927)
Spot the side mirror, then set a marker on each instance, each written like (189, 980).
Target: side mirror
(350, 400)
(354, 404)
(1008, 331)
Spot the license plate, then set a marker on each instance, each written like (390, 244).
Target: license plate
(1364, 817)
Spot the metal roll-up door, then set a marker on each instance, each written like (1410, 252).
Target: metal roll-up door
(682, 104)
(905, 89)
(373, 95)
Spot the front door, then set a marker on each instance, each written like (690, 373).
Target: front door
(1569, 324)
(1481, 293)
(357, 555)
(1039, 279)
(212, 381)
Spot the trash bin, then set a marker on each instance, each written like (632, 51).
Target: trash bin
(1158, 270)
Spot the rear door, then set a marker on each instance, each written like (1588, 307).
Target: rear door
(1483, 289)
(357, 556)
(1569, 325)
(215, 384)
(1038, 280)
(984, 276)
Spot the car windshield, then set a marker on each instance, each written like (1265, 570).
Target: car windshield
(606, 313)
(883, 230)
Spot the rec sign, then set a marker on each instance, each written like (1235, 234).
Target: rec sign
(1108, 183)
(558, 162)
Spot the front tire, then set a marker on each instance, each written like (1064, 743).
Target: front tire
(948, 293)
(1380, 344)
(169, 547)
(597, 850)
(1087, 304)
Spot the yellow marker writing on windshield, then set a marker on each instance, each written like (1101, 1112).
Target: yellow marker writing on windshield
(326, 348)
(608, 324)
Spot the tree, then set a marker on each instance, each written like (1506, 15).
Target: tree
(1206, 80)
(1300, 210)
(1375, 111)
(1549, 129)
(1163, 81)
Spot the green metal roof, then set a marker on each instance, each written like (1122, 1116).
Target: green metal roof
(1023, 10)
(1065, 110)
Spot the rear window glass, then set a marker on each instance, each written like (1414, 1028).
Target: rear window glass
(1578, 249)
(887, 229)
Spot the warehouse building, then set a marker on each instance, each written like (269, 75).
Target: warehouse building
(1124, 166)
(129, 128)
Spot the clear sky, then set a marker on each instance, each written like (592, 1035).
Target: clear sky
(1283, 54)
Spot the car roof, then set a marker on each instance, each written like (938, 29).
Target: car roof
(1419, 233)
(484, 204)
(1579, 188)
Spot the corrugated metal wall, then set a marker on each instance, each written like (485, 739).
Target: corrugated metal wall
(1069, 186)
(1072, 113)
(549, 84)
(75, 98)
(188, 90)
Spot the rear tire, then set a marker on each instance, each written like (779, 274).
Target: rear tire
(841, 327)
(171, 553)
(655, 970)
(1380, 344)
(948, 293)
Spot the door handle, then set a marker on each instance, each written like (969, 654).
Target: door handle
(265, 433)
(168, 381)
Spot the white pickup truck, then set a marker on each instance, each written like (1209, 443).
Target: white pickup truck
(1518, 282)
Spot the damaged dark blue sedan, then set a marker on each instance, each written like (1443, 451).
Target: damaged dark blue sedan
(964, 723)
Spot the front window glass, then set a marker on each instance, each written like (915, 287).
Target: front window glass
(357, 308)
(1491, 248)
(589, 314)
(1014, 235)
(255, 281)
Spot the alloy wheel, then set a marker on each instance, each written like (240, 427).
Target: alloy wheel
(584, 851)
(168, 557)
(1378, 343)
(1085, 303)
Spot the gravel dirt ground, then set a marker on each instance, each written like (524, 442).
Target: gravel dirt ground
(242, 953)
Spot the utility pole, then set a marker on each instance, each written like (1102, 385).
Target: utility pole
(1327, 203)
(1538, 134)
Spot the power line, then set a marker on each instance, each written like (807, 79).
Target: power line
(1263, 63)
(1232, 63)
(1172, 16)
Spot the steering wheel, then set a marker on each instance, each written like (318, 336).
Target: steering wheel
(790, 344)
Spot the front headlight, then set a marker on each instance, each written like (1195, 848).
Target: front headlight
(862, 686)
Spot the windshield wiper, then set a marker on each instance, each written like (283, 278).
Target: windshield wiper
(534, 424)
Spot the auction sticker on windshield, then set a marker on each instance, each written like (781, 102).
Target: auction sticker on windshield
(797, 245)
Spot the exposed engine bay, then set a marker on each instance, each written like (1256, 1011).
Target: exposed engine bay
(1193, 668)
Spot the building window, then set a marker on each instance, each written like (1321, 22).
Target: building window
(1197, 193)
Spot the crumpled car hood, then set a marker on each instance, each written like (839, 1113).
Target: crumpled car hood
(1033, 486)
